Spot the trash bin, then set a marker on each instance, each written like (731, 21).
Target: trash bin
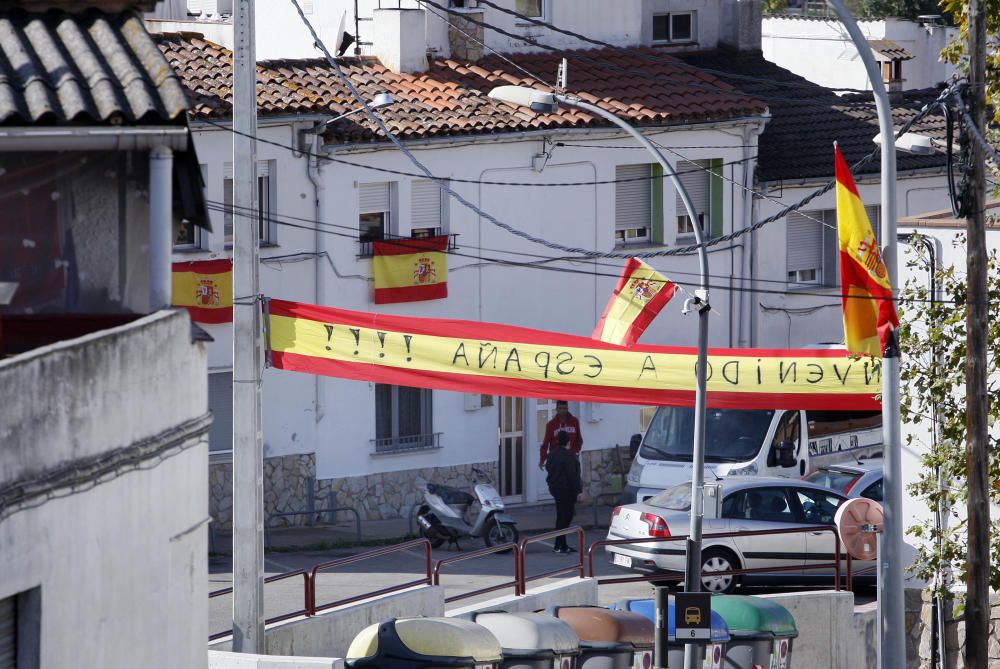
(760, 632)
(412, 643)
(715, 651)
(531, 640)
(609, 639)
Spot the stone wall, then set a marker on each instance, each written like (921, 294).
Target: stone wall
(604, 470)
(288, 482)
(954, 630)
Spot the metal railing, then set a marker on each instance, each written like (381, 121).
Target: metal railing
(578, 567)
(503, 548)
(323, 566)
(366, 248)
(678, 576)
(334, 510)
(306, 610)
(415, 442)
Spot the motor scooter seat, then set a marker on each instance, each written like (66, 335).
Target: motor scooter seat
(450, 495)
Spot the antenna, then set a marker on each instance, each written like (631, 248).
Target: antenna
(562, 76)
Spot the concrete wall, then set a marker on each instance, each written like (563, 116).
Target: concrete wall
(218, 659)
(121, 563)
(825, 623)
(565, 592)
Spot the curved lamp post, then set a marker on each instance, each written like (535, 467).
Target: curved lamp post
(542, 102)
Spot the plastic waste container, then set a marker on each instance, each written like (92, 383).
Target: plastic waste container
(609, 639)
(760, 632)
(715, 651)
(411, 643)
(531, 640)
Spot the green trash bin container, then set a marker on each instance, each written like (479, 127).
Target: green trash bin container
(424, 643)
(760, 632)
(609, 639)
(531, 640)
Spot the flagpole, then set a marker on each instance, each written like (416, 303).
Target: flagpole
(890, 568)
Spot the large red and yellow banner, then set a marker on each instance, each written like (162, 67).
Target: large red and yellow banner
(475, 357)
(205, 288)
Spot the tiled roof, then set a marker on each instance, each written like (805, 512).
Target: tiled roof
(89, 68)
(450, 98)
(797, 143)
(889, 49)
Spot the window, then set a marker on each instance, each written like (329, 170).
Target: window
(697, 182)
(633, 204)
(818, 508)
(375, 208)
(532, 8)
(766, 504)
(673, 27)
(426, 209)
(403, 419)
(220, 403)
(789, 429)
(813, 253)
(20, 629)
(874, 491)
(892, 71)
(266, 196)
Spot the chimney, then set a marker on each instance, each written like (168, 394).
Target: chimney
(741, 21)
(465, 38)
(399, 38)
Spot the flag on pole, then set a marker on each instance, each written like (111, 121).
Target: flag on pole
(640, 294)
(869, 310)
(410, 270)
(205, 288)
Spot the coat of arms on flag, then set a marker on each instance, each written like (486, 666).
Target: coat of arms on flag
(410, 270)
(205, 288)
(640, 294)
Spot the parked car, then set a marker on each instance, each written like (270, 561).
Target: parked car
(749, 503)
(859, 479)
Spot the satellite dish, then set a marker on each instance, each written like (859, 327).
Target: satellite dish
(344, 38)
(856, 519)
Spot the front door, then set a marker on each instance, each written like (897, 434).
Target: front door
(511, 458)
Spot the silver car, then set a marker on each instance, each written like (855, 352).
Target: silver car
(853, 479)
(748, 504)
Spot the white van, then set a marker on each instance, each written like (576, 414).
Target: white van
(749, 442)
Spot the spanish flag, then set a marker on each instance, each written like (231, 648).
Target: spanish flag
(205, 288)
(869, 311)
(640, 294)
(410, 270)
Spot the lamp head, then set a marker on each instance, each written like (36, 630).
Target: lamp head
(381, 100)
(522, 96)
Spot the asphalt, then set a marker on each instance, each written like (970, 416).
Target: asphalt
(347, 532)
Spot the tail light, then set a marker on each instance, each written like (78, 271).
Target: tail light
(657, 526)
(614, 514)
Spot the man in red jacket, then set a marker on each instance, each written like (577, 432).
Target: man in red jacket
(563, 421)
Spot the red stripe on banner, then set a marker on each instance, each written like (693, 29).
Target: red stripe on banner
(211, 316)
(204, 266)
(843, 172)
(405, 247)
(365, 371)
(432, 291)
(460, 329)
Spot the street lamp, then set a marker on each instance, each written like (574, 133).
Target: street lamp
(542, 102)
(380, 100)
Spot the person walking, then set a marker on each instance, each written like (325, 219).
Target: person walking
(563, 421)
(565, 485)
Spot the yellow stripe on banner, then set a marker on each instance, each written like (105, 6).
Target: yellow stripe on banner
(424, 268)
(800, 374)
(207, 291)
(626, 307)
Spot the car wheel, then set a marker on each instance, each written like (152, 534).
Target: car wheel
(718, 559)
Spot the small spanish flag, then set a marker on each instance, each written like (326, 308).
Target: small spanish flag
(205, 288)
(869, 311)
(410, 270)
(640, 294)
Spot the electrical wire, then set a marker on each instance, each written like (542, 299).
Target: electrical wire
(973, 128)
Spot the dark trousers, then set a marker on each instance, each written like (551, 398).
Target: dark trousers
(565, 508)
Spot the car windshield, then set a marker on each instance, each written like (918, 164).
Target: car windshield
(677, 498)
(731, 435)
(832, 479)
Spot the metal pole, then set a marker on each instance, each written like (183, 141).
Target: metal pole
(891, 565)
(161, 180)
(662, 601)
(977, 606)
(692, 571)
(248, 453)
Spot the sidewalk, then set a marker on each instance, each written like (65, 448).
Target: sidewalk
(532, 518)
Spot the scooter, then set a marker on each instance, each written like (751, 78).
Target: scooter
(448, 514)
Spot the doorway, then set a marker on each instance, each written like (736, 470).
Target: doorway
(511, 458)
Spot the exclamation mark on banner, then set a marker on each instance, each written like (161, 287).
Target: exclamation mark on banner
(329, 336)
(407, 339)
(381, 341)
(357, 339)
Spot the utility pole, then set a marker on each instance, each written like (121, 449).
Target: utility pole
(248, 451)
(977, 608)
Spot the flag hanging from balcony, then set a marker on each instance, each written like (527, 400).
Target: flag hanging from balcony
(205, 288)
(640, 294)
(870, 319)
(410, 270)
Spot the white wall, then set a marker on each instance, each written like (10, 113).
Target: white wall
(121, 565)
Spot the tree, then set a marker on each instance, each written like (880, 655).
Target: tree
(932, 335)
(868, 9)
(956, 51)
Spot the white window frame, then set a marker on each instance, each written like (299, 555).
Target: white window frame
(633, 204)
(697, 181)
(377, 198)
(199, 238)
(671, 39)
(267, 199)
(428, 210)
(395, 442)
(819, 228)
(542, 10)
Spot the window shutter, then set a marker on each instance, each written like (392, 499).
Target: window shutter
(373, 198)
(220, 402)
(632, 208)
(804, 242)
(8, 632)
(263, 169)
(425, 204)
(697, 183)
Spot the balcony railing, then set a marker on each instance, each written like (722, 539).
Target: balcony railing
(366, 248)
(415, 442)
